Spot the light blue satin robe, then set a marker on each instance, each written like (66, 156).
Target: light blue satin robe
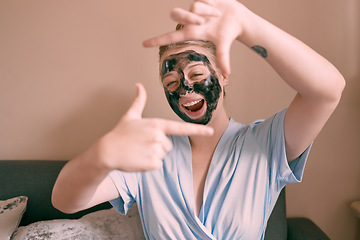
(246, 174)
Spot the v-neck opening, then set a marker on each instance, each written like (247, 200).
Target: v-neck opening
(186, 183)
(186, 186)
(224, 136)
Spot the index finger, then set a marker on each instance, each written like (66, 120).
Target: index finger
(165, 39)
(182, 128)
(223, 58)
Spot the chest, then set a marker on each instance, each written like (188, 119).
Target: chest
(200, 167)
(223, 200)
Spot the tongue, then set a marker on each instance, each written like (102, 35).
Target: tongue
(196, 107)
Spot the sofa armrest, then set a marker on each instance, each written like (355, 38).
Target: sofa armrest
(35, 179)
(304, 229)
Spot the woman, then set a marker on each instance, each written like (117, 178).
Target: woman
(223, 180)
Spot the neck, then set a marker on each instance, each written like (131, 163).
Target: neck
(219, 124)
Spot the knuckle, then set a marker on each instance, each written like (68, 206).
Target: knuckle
(169, 146)
(157, 136)
(154, 163)
(157, 151)
(193, 32)
(155, 124)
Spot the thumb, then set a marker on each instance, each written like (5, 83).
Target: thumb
(223, 57)
(137, 107)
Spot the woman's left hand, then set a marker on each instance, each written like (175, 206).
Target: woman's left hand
(218, 21)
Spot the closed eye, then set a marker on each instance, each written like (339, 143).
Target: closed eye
(197, 72)
(170, 83)
(197, 76)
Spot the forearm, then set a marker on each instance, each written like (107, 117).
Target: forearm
(78, 182)
(311, 75)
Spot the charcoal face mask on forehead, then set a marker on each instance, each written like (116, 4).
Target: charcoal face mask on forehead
(208, 87)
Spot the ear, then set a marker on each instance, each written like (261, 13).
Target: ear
(225, 79)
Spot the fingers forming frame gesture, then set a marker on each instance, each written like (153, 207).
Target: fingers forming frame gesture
(140, 144)
(210, 20)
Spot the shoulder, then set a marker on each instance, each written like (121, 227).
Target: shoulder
(275, 120)
(267, 132)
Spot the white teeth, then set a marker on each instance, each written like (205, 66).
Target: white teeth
(189, 104)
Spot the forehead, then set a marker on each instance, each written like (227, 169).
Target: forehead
(179, 50)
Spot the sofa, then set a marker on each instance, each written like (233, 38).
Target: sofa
(34, 179)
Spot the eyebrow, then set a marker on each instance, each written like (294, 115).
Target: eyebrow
(190, 65)
(195, 64)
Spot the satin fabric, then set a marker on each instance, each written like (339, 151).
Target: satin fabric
(246, 174)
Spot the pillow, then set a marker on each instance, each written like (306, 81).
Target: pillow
(11, 212)
(104, 224)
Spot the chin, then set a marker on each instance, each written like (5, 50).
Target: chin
(201, 116)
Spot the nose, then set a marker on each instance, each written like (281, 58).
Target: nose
(185, 85)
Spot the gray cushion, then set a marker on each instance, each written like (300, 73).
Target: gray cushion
(100, 225)
(35, 179)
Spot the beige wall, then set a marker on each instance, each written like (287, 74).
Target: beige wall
(67, 73)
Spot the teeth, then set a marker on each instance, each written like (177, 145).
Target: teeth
(189, 104)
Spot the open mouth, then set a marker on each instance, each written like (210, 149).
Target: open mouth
(194, 106)
(194, 109)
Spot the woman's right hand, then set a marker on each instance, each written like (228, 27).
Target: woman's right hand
(139, 144)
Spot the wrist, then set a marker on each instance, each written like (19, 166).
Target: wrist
(249, 24)
(95, 158)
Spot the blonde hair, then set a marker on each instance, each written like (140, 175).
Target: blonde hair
(205, 44)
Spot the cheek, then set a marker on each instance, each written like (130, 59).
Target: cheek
(209, 87)
(172, 97)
